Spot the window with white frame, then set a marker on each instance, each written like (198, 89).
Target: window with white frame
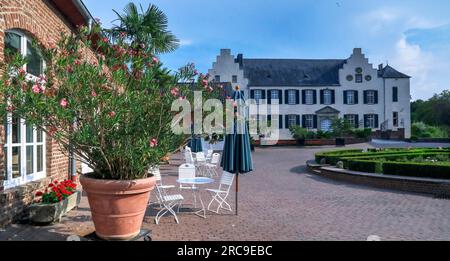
(258, 96)
(292, 120)
(351, 97)
(309, 121)
(274, 95)
(327, 99)
(309, 97)
(351, 119)
(292, 97)
(370, 98)
(24, 148)
(395, 119)
(370, 121)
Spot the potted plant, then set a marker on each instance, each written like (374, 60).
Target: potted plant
(112, 108)
(57, 199)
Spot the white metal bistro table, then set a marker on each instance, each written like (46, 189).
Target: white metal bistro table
(197, 181)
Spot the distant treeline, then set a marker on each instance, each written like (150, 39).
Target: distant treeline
(434, 112)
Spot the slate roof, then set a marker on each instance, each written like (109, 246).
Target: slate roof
(389, 72)
(292, 72)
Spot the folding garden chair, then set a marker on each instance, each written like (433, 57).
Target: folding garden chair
(211, 168)
(220, 195)
(187, 171)
(155, 172)
(168, 202)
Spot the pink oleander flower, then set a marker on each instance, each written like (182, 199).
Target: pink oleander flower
(195, 72)
(205, 82)
(64, 103)
(112, 113)
(155, 60)
(22, 71)
(142, 45)
(93, 93)
(153, 142)
(77, 62)
(123, 34)
(36, 89)
(174, 91)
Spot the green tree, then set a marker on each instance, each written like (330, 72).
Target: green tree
(145, 28)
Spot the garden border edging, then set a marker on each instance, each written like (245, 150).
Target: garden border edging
(436, 187)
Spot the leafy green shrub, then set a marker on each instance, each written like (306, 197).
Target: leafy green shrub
(422, 130)
(324, 135)
(362, 133)
(298, 132)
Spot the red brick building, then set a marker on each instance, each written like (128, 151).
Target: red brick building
(29, 159)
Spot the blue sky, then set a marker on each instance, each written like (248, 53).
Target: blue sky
(412, 35)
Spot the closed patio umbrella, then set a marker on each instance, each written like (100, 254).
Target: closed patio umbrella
(196, 144)
(237, 157)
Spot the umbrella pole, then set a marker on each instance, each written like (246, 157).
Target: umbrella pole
(237, 190)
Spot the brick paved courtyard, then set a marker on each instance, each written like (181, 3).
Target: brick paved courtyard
(281, 201)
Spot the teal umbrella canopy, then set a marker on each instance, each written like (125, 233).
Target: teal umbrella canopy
(237, 156)
(196, 144)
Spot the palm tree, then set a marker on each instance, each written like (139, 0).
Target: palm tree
(149, 28)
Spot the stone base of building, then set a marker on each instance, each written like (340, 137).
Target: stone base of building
(399, 134)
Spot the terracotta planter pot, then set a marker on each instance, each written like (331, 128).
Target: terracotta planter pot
(117, 206)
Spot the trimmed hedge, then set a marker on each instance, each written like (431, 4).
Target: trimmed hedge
(383, 161)
(413, 169)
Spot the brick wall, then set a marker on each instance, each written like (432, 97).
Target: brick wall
(44, 23)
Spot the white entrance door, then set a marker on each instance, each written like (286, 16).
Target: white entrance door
(325, 125)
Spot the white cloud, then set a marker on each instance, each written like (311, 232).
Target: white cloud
(185, 42)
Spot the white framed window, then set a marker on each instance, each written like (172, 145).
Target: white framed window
(309, 121)
(351, 118)
(292, 97)
(370, 97)
(24, 152)
(24, 148)
(370, 121)
(274, 95)
(234, 79)
(309, 97)
(17, 41)
(258, 96)
(292, 120)
(351, 97)
(395, 119)
(327, 99)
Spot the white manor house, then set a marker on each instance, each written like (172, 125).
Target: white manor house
(311, 92)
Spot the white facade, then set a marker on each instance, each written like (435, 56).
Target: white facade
(376, 105)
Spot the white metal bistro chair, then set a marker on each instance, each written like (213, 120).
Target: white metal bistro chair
(200, 162)
(220, 195)
(156, 172)
(189, 159)
(187, 171)
(211, 168)
(168, 202)
(209, 155)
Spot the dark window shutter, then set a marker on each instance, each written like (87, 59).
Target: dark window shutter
(314, 97)
(333, 100)
(297, 97)
(376, 97)
(356, 94)
(252, 94)
(365, 97)
(303, 96)
(315, 121)
(356, 121)
(321, 96)
(263, 94)
(286, 97)
(280, 123)
(366, 125)
(304, 121)
(286, 121)
(376, 121)
(280, 97)
(269, 119)
(297, 120)
(269, 96)
(345, 97)
(395, 94)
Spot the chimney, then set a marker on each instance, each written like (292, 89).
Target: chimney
(357, 51)
(380, 67)
(225, 52)
(239, 59)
